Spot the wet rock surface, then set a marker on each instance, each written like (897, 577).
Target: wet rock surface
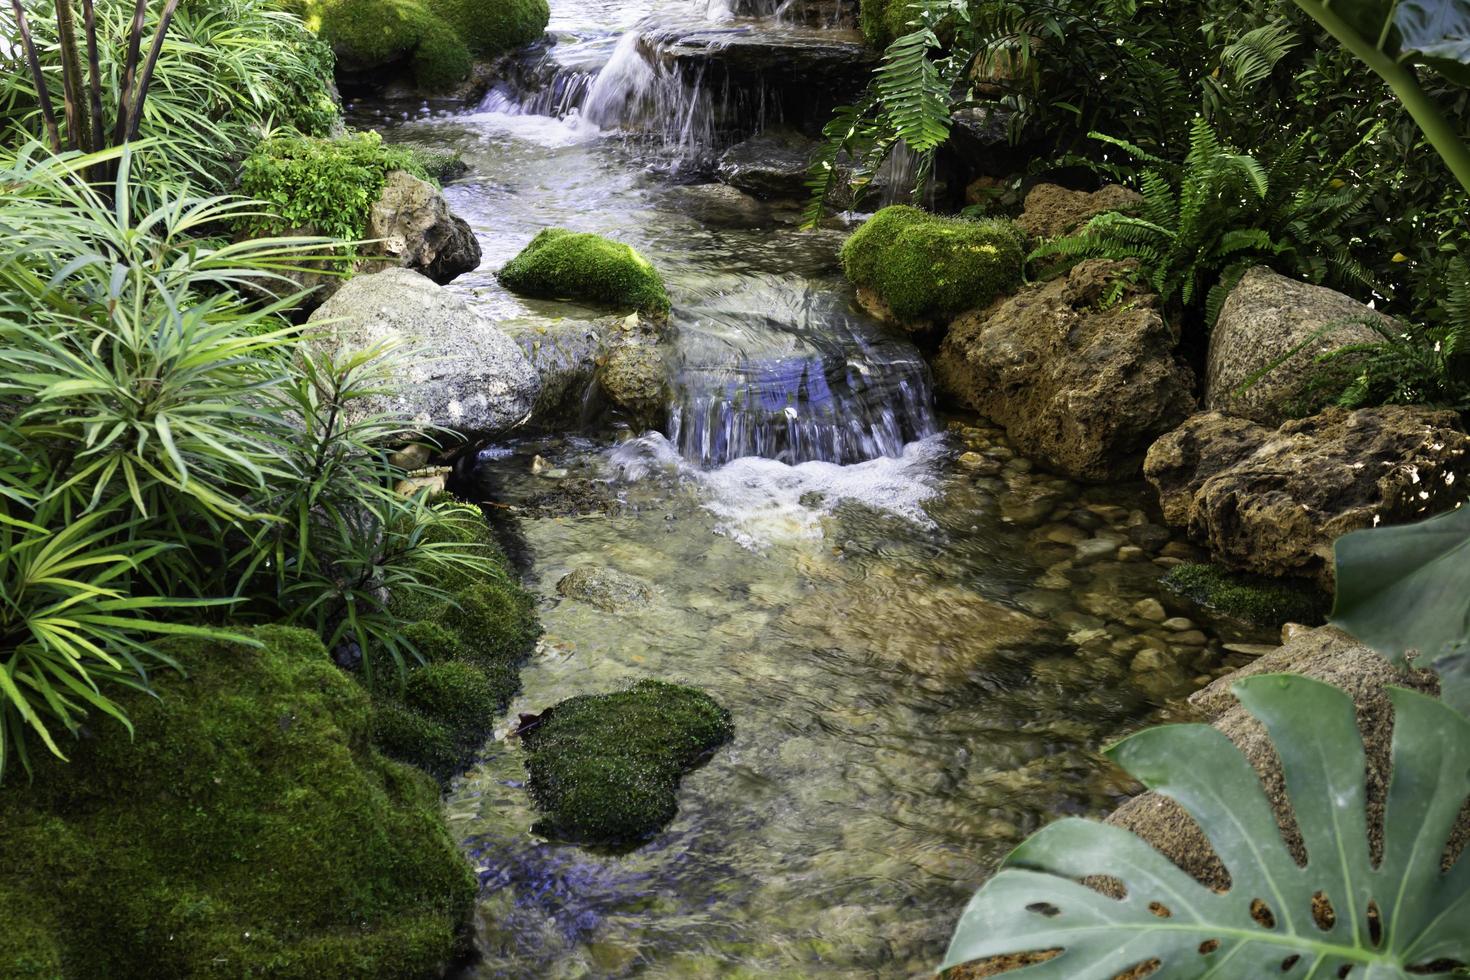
(460, 372)
(771, 165)
(606, 588)
(1272, 501)
(413, 228)
(1265, 344)
(565, 355)
(1084, 389)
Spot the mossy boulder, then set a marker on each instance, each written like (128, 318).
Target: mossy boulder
(491, 27)
(438, 713)
(605, 768)
(249, 828)
(884, 20)
(923, 268)
(1251, 599)
(562, 264)
(368, 36)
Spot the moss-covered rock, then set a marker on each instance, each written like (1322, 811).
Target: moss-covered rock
(883, 20)
(248, 829)
(577, 265)
(605, 768)
(1251, 599)
(926, 268)
(490, 27)
(369, 35)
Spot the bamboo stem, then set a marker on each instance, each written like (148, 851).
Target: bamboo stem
(147, 77)
(130, 68)
(78, 130)
(94, 67)
(43, 94)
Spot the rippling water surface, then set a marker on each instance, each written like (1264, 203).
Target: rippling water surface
(923, 640)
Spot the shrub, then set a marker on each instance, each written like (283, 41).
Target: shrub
(560, 263)
(326, 185)
(926, 267)
(248, 829)
(1249, 598)
(605, 768)
(491, 27)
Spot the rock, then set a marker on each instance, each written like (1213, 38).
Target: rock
(1324, 654)
(563, 264)
(219, 836)
(785, 57)
(1095, 549)
(435, 481)
(1266, 319)
(720, 205)
(922, 268)
(1151, 610)
(1273, 501)
(605, 768)
(606, 588)
(1177, 624)
(635, 378)
(565, 354)
(460, 372)
(772, 164)
(1248, 599)
(416, 230)
(1083, 389)
(1051, 211)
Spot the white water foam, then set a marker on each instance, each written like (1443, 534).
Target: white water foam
(760, 502)
(498, 114)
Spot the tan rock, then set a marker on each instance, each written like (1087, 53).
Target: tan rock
(1051, 211)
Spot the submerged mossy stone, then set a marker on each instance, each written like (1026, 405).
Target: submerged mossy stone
(492, 27)
(1251, 599)
(578, 265)
(605, 768)
(926, 268)
(249, 828)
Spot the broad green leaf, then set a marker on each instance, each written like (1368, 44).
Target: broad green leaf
(1436, 32)
(1406, 588)
(1037, 903)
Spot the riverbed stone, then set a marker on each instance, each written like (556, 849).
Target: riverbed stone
(1324, 654)
(1084, 388)
(1271, 322)
(411, 226)
(606, 588)
(635, 379)
(457, 372)
(772, 164)
(721, 206)
(1272, 501)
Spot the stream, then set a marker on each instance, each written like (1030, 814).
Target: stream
(923, 640)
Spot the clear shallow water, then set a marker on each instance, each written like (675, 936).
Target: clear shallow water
(923, 649)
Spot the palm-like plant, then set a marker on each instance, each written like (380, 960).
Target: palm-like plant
(1202, 224)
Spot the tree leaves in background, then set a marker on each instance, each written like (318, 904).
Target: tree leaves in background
(1407, 588)
(1273, 920)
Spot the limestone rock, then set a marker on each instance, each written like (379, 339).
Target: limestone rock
(1268, 318)
(1051, 211)
(416, 230)
(1083, 388)
(1324, 654)
(460, 372)
(1273, 501)
(606, 588)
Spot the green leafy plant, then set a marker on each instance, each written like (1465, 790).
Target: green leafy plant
(1399, 917)
(1201, 225)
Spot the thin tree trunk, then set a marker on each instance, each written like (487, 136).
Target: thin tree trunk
(43, 95)
(147, 77)
(94, 68)
(78, 130)
(130, 68)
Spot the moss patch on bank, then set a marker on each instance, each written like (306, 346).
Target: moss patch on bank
(439, 713)
(926, 267)
(562, 264)
(249, 829)
(605, 768)
(1251, 599)
(491, 27)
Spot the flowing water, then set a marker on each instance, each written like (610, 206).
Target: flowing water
(923, 640)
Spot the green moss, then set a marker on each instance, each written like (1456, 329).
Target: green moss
(884, 20)
(409, 736)
(491, 27)
(374, 34)
(460, 695)
(560, 263)
(926, 267)
(328, 185)
(249, 829)
(1249, 598)
(606, 768)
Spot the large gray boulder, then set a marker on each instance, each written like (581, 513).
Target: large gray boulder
(1273, 501)
(1327, 655)
(565, 354)
(1082, 386)
(1266, 319)
(412, 227)
(459, 371)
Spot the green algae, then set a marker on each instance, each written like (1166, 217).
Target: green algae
(1249, 598)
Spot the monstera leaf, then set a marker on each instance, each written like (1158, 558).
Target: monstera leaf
(1406, 589)
(1339, 916)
